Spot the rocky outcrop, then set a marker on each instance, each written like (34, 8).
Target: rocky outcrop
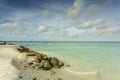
(40, 61)
(22, 49)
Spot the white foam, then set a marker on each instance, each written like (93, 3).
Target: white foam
(95, 75)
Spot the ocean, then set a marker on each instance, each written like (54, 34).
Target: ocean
(83, 56)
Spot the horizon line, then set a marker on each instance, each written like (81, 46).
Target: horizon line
(57, 41)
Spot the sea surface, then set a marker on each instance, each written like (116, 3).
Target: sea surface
(83, 56)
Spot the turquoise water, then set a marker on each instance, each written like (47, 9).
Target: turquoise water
(84, 56)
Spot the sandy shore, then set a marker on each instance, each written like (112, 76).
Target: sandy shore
(14, 67)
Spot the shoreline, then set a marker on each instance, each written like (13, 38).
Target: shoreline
(58, 74)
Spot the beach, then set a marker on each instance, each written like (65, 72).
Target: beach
(59, 39)
(14, 67)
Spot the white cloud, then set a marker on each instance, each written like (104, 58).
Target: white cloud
(45, 13)
(9, 25)
(42, 28)
(65, 33)
(37, 31)
(111, 30)
(73, 35)
(76, 9)
(98, 23)
(72, 32)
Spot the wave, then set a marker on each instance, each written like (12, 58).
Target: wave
(94, 75)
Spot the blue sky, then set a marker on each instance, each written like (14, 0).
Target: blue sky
(69, 20)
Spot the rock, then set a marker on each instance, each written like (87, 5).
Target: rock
(34, 64)
(30, 54)
(30, 63)
(47, 66)
(54, 61)
(37, 68)
(45, 57)
(39, 57)
(31, 59)
(59, 79)
(23, 49)
(41, 64)
(40, 61)
(49, 58)
(31, 51)
(60, 64)
(68, 65)
(20, 77)
(35, 78)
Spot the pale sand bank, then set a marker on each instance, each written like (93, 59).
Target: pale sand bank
(19, 70)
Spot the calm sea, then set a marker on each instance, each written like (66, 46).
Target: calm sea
(83, 56)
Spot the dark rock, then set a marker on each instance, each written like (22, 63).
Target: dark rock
(31, 51)
(49, 58)
(39, 57)
(30, 63)
(45, 57)
(30, 54)
(34, 78)
(20, 77)
(23, 49)
(47, 66)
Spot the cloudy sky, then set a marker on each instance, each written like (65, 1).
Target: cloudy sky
(73, 20)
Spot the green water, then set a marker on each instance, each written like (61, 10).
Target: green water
(84, 56)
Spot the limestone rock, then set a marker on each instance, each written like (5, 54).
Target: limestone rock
(60, 63)
(40, 61)
(47, 66)
(54, 61)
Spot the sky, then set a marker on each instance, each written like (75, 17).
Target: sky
(60, 20)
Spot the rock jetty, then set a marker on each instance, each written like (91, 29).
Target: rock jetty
(38, 60)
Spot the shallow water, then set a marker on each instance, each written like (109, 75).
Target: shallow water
(84, 56)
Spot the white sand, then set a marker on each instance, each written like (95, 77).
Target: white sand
(7, 70)
(10, 72)
(10, 51)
